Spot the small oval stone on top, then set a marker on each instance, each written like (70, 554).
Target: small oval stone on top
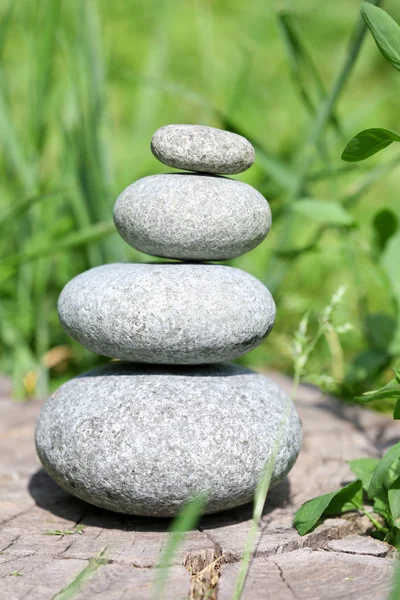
(203, 149)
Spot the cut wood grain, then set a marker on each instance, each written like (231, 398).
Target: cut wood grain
(47, 537)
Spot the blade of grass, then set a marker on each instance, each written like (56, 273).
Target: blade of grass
(89, 235)
(322, 174)
(204, 21)
(20, 169)
(149, 98)
(306, 77)
(301, 61)
(19, 208)
(42, 327)
(241, 82)
(259, 502)
(44, 60)
(14, 349)
(72, 589)
(36, 278)
(77, 202)
(4, 24)
(184, 522)
(327, 107)
(86, 133)
(91, 35)
(395, 591)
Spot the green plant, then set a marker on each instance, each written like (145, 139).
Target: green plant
(391, 391)
(377, 487)
(378, 481)
(386, 33)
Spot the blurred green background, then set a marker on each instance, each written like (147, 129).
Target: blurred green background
(83, 86)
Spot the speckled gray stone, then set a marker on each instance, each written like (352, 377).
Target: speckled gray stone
(192, 217)
(204, 149)
(172, 313)
(144, 439)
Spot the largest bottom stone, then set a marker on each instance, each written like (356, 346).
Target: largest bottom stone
(144, 440)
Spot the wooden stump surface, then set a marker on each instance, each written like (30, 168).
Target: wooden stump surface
(338, 560)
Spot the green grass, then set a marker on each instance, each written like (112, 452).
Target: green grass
(84, 85)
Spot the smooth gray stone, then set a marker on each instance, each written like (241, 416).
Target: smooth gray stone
(167, 313)
(191, 216)
(145, 439)
(204, 149)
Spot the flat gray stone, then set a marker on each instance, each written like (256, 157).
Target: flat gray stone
(192, 217)
(204, 149)
(167, 313)
(145, 439)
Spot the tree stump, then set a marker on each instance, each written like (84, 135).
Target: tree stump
(48, 539)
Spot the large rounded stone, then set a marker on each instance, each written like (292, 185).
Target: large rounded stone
(192, 217)
(167, 313)
(144, 439)
(200, 148)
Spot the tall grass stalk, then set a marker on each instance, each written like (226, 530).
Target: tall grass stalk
(260, 497)
(184, 522)
(326, 110)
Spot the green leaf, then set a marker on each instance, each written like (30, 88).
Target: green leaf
(329, 213)
(385, 31)
(384, 393)
(392, 473)
(394, 501)
(377, 483)
(363, 469)
(396, 412)
(367, 365)
(368, 142)
(344, 500)
(348, 498)
(380, 395)
(379, 330)
(381, 505)
(385, 225)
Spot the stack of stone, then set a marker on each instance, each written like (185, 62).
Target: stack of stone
(145, 436)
